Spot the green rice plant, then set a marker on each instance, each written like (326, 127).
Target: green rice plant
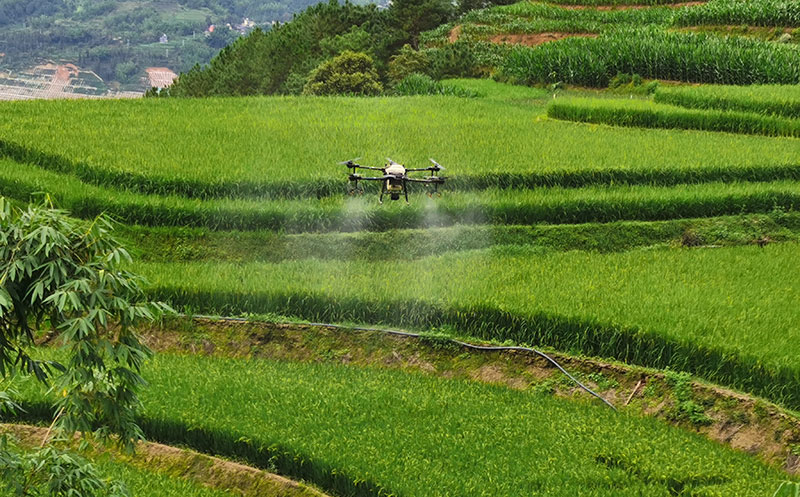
(370, 432)
(778, 100)
(783, 13)
(422, 84)
(288, 147)
(725, 314)
(655, 54)
(165, 244)
(646, 114)
(492, 206)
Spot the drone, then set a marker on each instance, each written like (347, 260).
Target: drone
(394, 180)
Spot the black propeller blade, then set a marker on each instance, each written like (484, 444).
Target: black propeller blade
(347, 162)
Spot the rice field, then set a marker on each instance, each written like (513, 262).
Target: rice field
(288, 147)
(648, 114)
(366, 431)
(569, 235)
(777, 100)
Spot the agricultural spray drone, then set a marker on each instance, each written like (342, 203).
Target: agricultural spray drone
(395, 178)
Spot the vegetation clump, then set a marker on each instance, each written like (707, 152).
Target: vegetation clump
(350, 73)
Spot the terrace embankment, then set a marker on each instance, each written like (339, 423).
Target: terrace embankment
(211, 472)
(740, 421)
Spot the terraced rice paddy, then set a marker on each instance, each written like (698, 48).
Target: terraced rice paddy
(376, 432)
(587, 238)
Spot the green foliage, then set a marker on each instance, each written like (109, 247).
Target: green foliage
(350, 73)
(422, 84)
(66, 275)
(52, 472)
(279, 60)
(645, 114)
(779, 100)
(415, 16)
(407, 61)
(655, 54)
(686, 409)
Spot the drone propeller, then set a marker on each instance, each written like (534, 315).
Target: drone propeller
(349, 161)
(438, 166)
(392, 162)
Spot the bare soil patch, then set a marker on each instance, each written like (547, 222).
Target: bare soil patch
(455, 33)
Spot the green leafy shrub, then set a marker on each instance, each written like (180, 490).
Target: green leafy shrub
(351, 73)
(408, 61)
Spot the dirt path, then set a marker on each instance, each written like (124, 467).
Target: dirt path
(737, 420)
(205, 470)
(532, 40)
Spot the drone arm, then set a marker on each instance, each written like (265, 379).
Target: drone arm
(437, 181)
(421, 169)
(367, 167)
(355, 177)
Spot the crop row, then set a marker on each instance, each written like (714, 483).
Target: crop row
(288, 147)
(162, 244)
(784, 13)
(653, 53)
(779, 100)
(646, 114)
(726, 314)
(371, 432)
(553, 205)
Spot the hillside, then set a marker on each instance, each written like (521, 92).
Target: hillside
(118, 40)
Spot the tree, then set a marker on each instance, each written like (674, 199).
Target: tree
(65, 276)
(416, 16)
(351, 73)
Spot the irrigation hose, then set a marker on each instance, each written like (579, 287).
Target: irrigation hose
(487, 348)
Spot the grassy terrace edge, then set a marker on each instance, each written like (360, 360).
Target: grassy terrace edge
(568, 206)
(646, 114)
(319, 188)
(488, 322)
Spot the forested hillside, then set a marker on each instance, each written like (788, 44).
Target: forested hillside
(118, 40)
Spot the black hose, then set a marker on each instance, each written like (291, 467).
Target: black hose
(451, 340)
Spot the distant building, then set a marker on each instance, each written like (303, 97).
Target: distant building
(163, 39)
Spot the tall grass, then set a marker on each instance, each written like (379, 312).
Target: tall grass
(645, 114)
(726, 314)
(783, 13)
(653, 53)
(779, 100)
(509, 206)
(288, 147)
(371, 432)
